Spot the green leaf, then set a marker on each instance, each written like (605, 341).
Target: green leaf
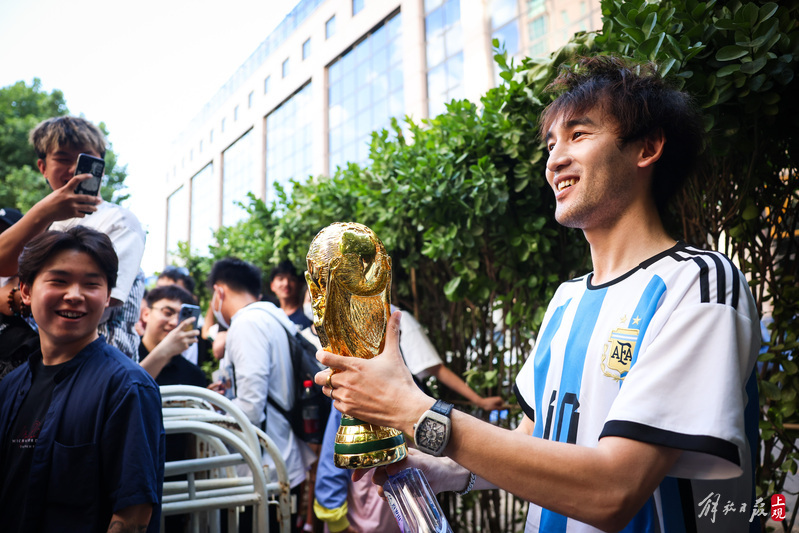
(725, 24)
(726, 70)
(750, 213)
(767, 10)
(731, 52)
(649, 24)
(650, 47)
(752, 67)
(636, 34)
(451, 287)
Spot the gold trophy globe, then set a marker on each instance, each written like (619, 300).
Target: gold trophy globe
(349, 278)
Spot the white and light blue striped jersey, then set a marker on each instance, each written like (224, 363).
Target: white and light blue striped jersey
(665, 355)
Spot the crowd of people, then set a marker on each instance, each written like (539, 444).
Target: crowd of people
(636, 398)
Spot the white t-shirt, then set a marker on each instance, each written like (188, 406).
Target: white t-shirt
(258, 360)
(419, 353)
(662, 355)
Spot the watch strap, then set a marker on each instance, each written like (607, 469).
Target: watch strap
(441, 407)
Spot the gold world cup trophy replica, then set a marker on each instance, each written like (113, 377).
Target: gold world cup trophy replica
(349, 278)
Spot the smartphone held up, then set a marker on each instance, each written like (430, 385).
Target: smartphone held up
(187, 311)
(88, 164)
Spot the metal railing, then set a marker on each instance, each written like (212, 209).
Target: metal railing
(225, 440)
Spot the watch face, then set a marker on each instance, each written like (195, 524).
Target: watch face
(431, 434)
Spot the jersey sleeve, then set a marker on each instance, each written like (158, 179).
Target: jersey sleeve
(687, 390)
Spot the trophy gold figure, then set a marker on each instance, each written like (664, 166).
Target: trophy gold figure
(349, 278)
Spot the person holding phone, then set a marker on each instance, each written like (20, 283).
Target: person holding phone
(58, 143)
(166, 337)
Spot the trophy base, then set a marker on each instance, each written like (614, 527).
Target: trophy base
(362, 445)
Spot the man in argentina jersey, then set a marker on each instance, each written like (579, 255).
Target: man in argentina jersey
(662, 354)
(640, 405)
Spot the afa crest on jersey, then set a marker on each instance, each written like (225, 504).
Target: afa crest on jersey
(617, 355)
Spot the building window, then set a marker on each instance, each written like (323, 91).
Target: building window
(249, 100)
(357, 6)
(191, 155)
(177, 227)
(306, 49)
(222, 127)
(235, 113)
(537, 30)
(203, 206)
(330, 27)
(286, 67)
(288, 142)
(266, 84)
(444, 46)
(201, 146)
(535, 7)
(365, 91)
(239, 176)
(211, 137)
(505, 25)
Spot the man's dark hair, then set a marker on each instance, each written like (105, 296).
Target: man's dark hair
(43, 247)
(237, 274)
(169, 292)
(178, 275)
(284, 268)
(643, 103)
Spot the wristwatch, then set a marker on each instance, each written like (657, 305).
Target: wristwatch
(432, 431)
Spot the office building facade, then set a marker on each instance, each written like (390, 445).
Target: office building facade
(307, 100)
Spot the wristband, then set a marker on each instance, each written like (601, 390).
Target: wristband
(469, 487)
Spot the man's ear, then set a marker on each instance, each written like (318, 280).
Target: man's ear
(42, 164)
(651, 149)
(25, 293)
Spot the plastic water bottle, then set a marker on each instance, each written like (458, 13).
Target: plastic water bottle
(310, 412)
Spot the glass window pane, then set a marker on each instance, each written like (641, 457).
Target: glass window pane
(430, 5)
(177, 222)
(508, 37)
(453, 40)
(379, 38)
(395, 80)
(379, 62)
(452, 12)
(239, 176)
(437, 82)
(334, 72)
(434, 24)
(203, 210)
(362, 52)
(288, 135)
(364, 98)
(436, 53)
(330, 27)
(502, 11)
(364, 88)
(455, 71)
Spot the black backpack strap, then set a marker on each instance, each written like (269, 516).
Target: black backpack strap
(269, 399)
